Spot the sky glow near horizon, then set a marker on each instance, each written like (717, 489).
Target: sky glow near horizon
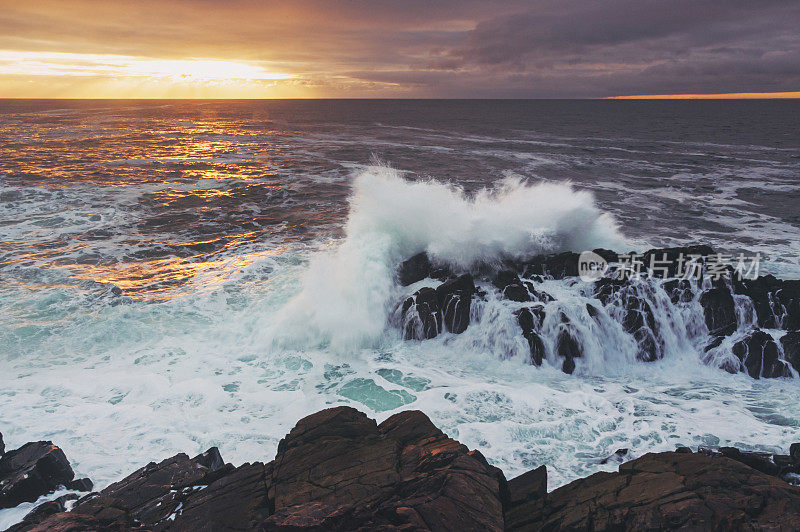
(456, 49)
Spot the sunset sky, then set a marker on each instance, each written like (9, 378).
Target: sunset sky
(413, 48)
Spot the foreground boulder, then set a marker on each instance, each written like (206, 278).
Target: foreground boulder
(204, 492)
(670, 491)
(33, 470)
(336, 470)
(339, 470)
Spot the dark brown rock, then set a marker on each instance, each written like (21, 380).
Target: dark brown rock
(455, 300)
(667, 260)
(527, 494)
(760, 356)
(31, 471)
(74, 522)
(157, 494)
(337, 469)
(414, 269)
(671, 491)
(776, 302)
(791, 348)
(42, 512)
(719, 311)
(556, 266)
(422, 318)
(794, 453)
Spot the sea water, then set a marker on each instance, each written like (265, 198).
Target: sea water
(179, 275)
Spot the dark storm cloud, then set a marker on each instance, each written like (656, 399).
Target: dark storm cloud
(539, 48)
(636, 46)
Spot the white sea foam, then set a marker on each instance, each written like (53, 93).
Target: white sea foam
(347, 291)
(235, 360)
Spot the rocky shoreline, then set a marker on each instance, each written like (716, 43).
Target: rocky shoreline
(339, 470)
(744, 324)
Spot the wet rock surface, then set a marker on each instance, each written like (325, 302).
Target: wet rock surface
(414, 269)
(337, 469)
(671, 491)
(33, 470)
(760, 357)
(719, 311)
(646, 306)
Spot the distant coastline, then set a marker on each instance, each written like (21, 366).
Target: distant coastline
(720, 96)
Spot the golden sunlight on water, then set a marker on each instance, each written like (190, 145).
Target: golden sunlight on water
(151, 210)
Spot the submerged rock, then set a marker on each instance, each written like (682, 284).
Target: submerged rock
(679, 290)
(637, 304)
(530, 319)
(568, 348)
(33, 470)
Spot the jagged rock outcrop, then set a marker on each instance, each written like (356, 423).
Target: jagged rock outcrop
(339, 470)
(33, 470)
(635, 302)
(719, 310)
(776, 302)
(776, 465)
(670, 491)
(791, 348)
(414, 269)
(669, 262)
(336, 470)
(759, 355)
(430, 311)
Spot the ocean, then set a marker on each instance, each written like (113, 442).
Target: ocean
(176, 275)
